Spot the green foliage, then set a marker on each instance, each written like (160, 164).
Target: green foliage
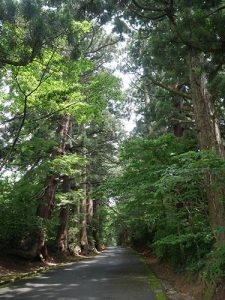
(215, 268)
(53, 69)
(73, 197)
(67, 165)
(17, 213)
(161, 198)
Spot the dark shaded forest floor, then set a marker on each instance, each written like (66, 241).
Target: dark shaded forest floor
(179, 286)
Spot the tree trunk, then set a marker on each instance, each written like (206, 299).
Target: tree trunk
(62, 241)
(147, 99)
(209, 138)
(178, 128)
(77, 223)
(208, 131)
(46, 204)
(84, 233)
(63, 130)
(84, 237)
(90, 225)
(96, 222)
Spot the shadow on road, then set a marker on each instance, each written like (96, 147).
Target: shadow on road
(115, 274)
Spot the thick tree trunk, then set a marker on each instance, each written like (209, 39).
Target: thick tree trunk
(90, 225)
(206, 122)
(77, 224)
(84, 238)
(63, 130)
(147, 99)
(62, 241)
(42, 244)
(178, 128)
(84, 234)
(209, 138)
(46, 204)
(83, 208)
(96, 222)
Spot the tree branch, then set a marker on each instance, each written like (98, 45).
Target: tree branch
(182, 121)
(56, 111)
(23, 61)
(25, 108)
(166, 87)
(103, 46)
(215, 11)
(146, 7)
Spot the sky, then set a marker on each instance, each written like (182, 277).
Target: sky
(128, 124)
(126, 78)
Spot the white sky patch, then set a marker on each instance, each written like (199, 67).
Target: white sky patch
(129, 124)
(115, 66)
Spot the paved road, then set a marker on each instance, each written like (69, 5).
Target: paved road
(116, 274)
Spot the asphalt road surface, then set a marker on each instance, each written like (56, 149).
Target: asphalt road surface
(116, 274)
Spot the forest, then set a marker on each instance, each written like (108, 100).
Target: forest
(72, 179)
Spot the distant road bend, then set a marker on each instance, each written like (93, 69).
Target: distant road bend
(116, 274)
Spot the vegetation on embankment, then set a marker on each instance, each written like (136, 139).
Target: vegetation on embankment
(180, 285)
(161, 205)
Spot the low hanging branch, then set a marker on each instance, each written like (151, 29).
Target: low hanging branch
(166, 87)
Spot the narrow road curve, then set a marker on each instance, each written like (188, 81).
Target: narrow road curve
(115, 274)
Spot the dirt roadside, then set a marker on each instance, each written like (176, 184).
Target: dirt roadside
(179, 286)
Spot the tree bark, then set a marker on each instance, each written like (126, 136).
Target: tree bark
(90, 224)
(62, 240)
(206, 122)
(96, 222)
(147, 99)
(178, 128)
(46, 204)
(209, 138)
(84, 236)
